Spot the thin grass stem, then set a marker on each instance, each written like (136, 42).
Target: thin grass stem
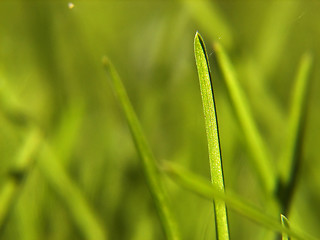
(70, 194)
(212, 130)
(285, 224)
(256, 145)
(200, 186)
(149, 164)
(292, 155)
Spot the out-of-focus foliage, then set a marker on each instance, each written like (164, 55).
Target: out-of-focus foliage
(85, 178)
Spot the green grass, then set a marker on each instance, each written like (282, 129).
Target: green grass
(285, 223)
(149, 165)
(256, 144)
(200, 186)
(68, 166)
(211, 122)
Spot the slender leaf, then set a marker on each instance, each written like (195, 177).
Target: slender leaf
(296, 120)
(148, 161)
(82, 213)
(201, 187)
(256, 145)
(271, 39)
(212, 130)
(285, 224)
(23, 162)
(79, 208)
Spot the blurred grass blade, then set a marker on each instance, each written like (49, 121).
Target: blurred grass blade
(256, 145)
(208, 16)
(270, 41)
(285, 224)
(290, 159)
(148, 160)
(50, 167)
(212, 130)
(67, 132)
(201, 187)
(296, 119)
(21, 168)
(257, 88)
(70, 194)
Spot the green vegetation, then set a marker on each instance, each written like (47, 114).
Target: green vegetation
(120, 150)
(212, 128)
(285, 223)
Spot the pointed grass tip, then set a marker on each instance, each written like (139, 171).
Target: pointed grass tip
(198, 35)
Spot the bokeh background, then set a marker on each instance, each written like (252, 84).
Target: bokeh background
(52, 79)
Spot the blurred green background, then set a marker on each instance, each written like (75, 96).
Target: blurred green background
(52, 79)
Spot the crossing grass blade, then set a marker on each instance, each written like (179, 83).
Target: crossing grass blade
(256, 145)
(270, 42)
(285, 224)
(291, 157)
(296, 119)
(52, 170)
(22, 166)
(148, 161)
(212, 130)
(200, 186)
(82, 213)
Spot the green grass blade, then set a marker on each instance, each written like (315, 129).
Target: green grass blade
(271, 40)
(148, 161)
(57, 177)
(297, 114)
(212, 130)
(285, 224)
(67, 132)
(256, 145)
(21, 168)
(257, 88)
(70, 194)
(291, 157)
(201, 187)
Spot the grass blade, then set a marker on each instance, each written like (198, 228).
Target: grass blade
(285, 224)
(148, 161)
(256, 145)
(201, 187)
(70, 194)
(12, 184)
(291, 157)
(297, 114)
(271, 40)
(57, 177)
(212, 130)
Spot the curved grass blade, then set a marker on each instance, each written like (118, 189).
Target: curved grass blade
(201, 187)
(285, 224)
(148, 161)
(212, 130)
(256, 145)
